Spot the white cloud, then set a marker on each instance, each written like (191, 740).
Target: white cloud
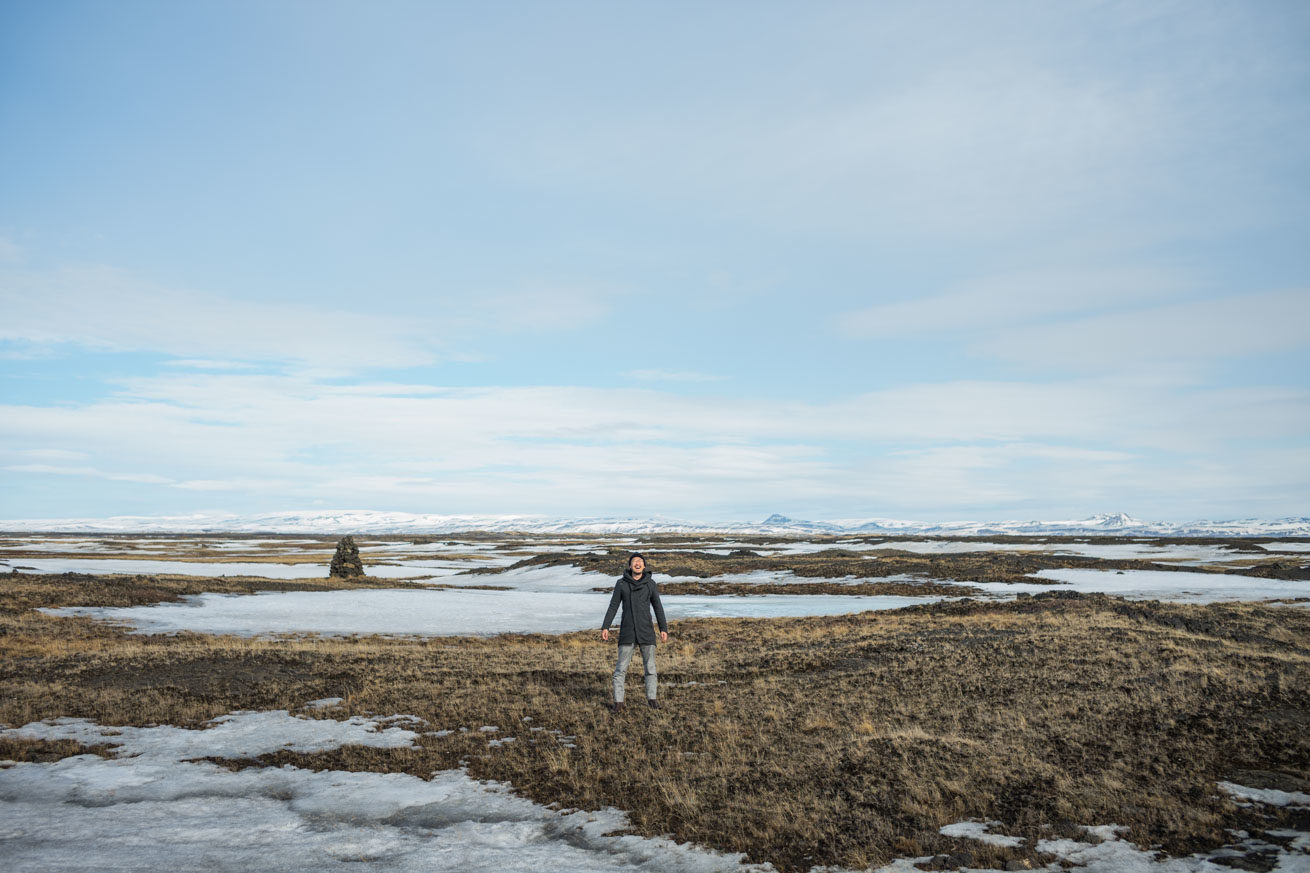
(1192, 331)
(930, 448)
(247, 486)
(1017, 298)
(61, 470)
(977, 147)
(108, 309)
(52, 454)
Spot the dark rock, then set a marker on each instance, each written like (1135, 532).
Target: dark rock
(346, 562)
(1257, 862)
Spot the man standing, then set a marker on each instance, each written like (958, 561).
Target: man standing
(638, 594)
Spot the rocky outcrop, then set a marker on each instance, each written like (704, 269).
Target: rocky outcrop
(346, 562)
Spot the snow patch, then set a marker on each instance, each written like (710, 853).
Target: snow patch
(151, 810)
(978, 830)
(1268, 796)
(235, 735)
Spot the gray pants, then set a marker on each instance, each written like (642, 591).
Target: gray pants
(621, 670)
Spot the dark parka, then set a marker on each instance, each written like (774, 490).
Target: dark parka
(637, 597)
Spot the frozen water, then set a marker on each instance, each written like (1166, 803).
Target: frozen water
(151, 806)
(443, 612)
(235, 735)
(269, 569)
(1113, 854)
(1179, 586)
(1269, 796)
(266, 569)
(978, 830)
(1111, 551)
(148, 809)
(8, 545)
(1147, 551)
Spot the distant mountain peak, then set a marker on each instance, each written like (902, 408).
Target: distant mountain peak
(1114, 519)
(366, 522)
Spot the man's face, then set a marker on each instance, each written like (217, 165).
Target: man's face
(638, 567)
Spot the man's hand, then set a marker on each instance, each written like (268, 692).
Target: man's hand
(664, 636)
(605, 634)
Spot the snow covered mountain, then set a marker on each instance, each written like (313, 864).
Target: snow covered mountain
(374, 522)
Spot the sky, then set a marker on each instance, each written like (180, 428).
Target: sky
(922, 260)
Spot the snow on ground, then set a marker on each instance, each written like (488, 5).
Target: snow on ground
(1268, 796)
(1285, 547)
(573, 578)
(441, 548)
(149, 809)
(443, 612)
(16, 545)
(1178, 586)
(402, 560)
(980, 831)
(1110, 853)
(269, 569)
(1111, 551)
(259, 543)
(153, 806)
(1147, 551)
(235, 735)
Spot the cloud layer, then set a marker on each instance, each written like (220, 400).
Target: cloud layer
(949, 448)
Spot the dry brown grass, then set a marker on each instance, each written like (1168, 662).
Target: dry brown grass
(846, 740)
(23, 591)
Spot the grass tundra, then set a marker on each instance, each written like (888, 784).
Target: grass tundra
(840, 740)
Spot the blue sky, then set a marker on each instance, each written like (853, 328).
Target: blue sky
(918, 260)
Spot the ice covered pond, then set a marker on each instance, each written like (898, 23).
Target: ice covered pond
(561, 599)
(444, 612)
(266, 569)
(1178, 586)
(270, 569)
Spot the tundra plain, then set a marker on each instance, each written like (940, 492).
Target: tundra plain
(843, 740)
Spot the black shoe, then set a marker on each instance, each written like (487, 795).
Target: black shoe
(616, 708)
(652, 703)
